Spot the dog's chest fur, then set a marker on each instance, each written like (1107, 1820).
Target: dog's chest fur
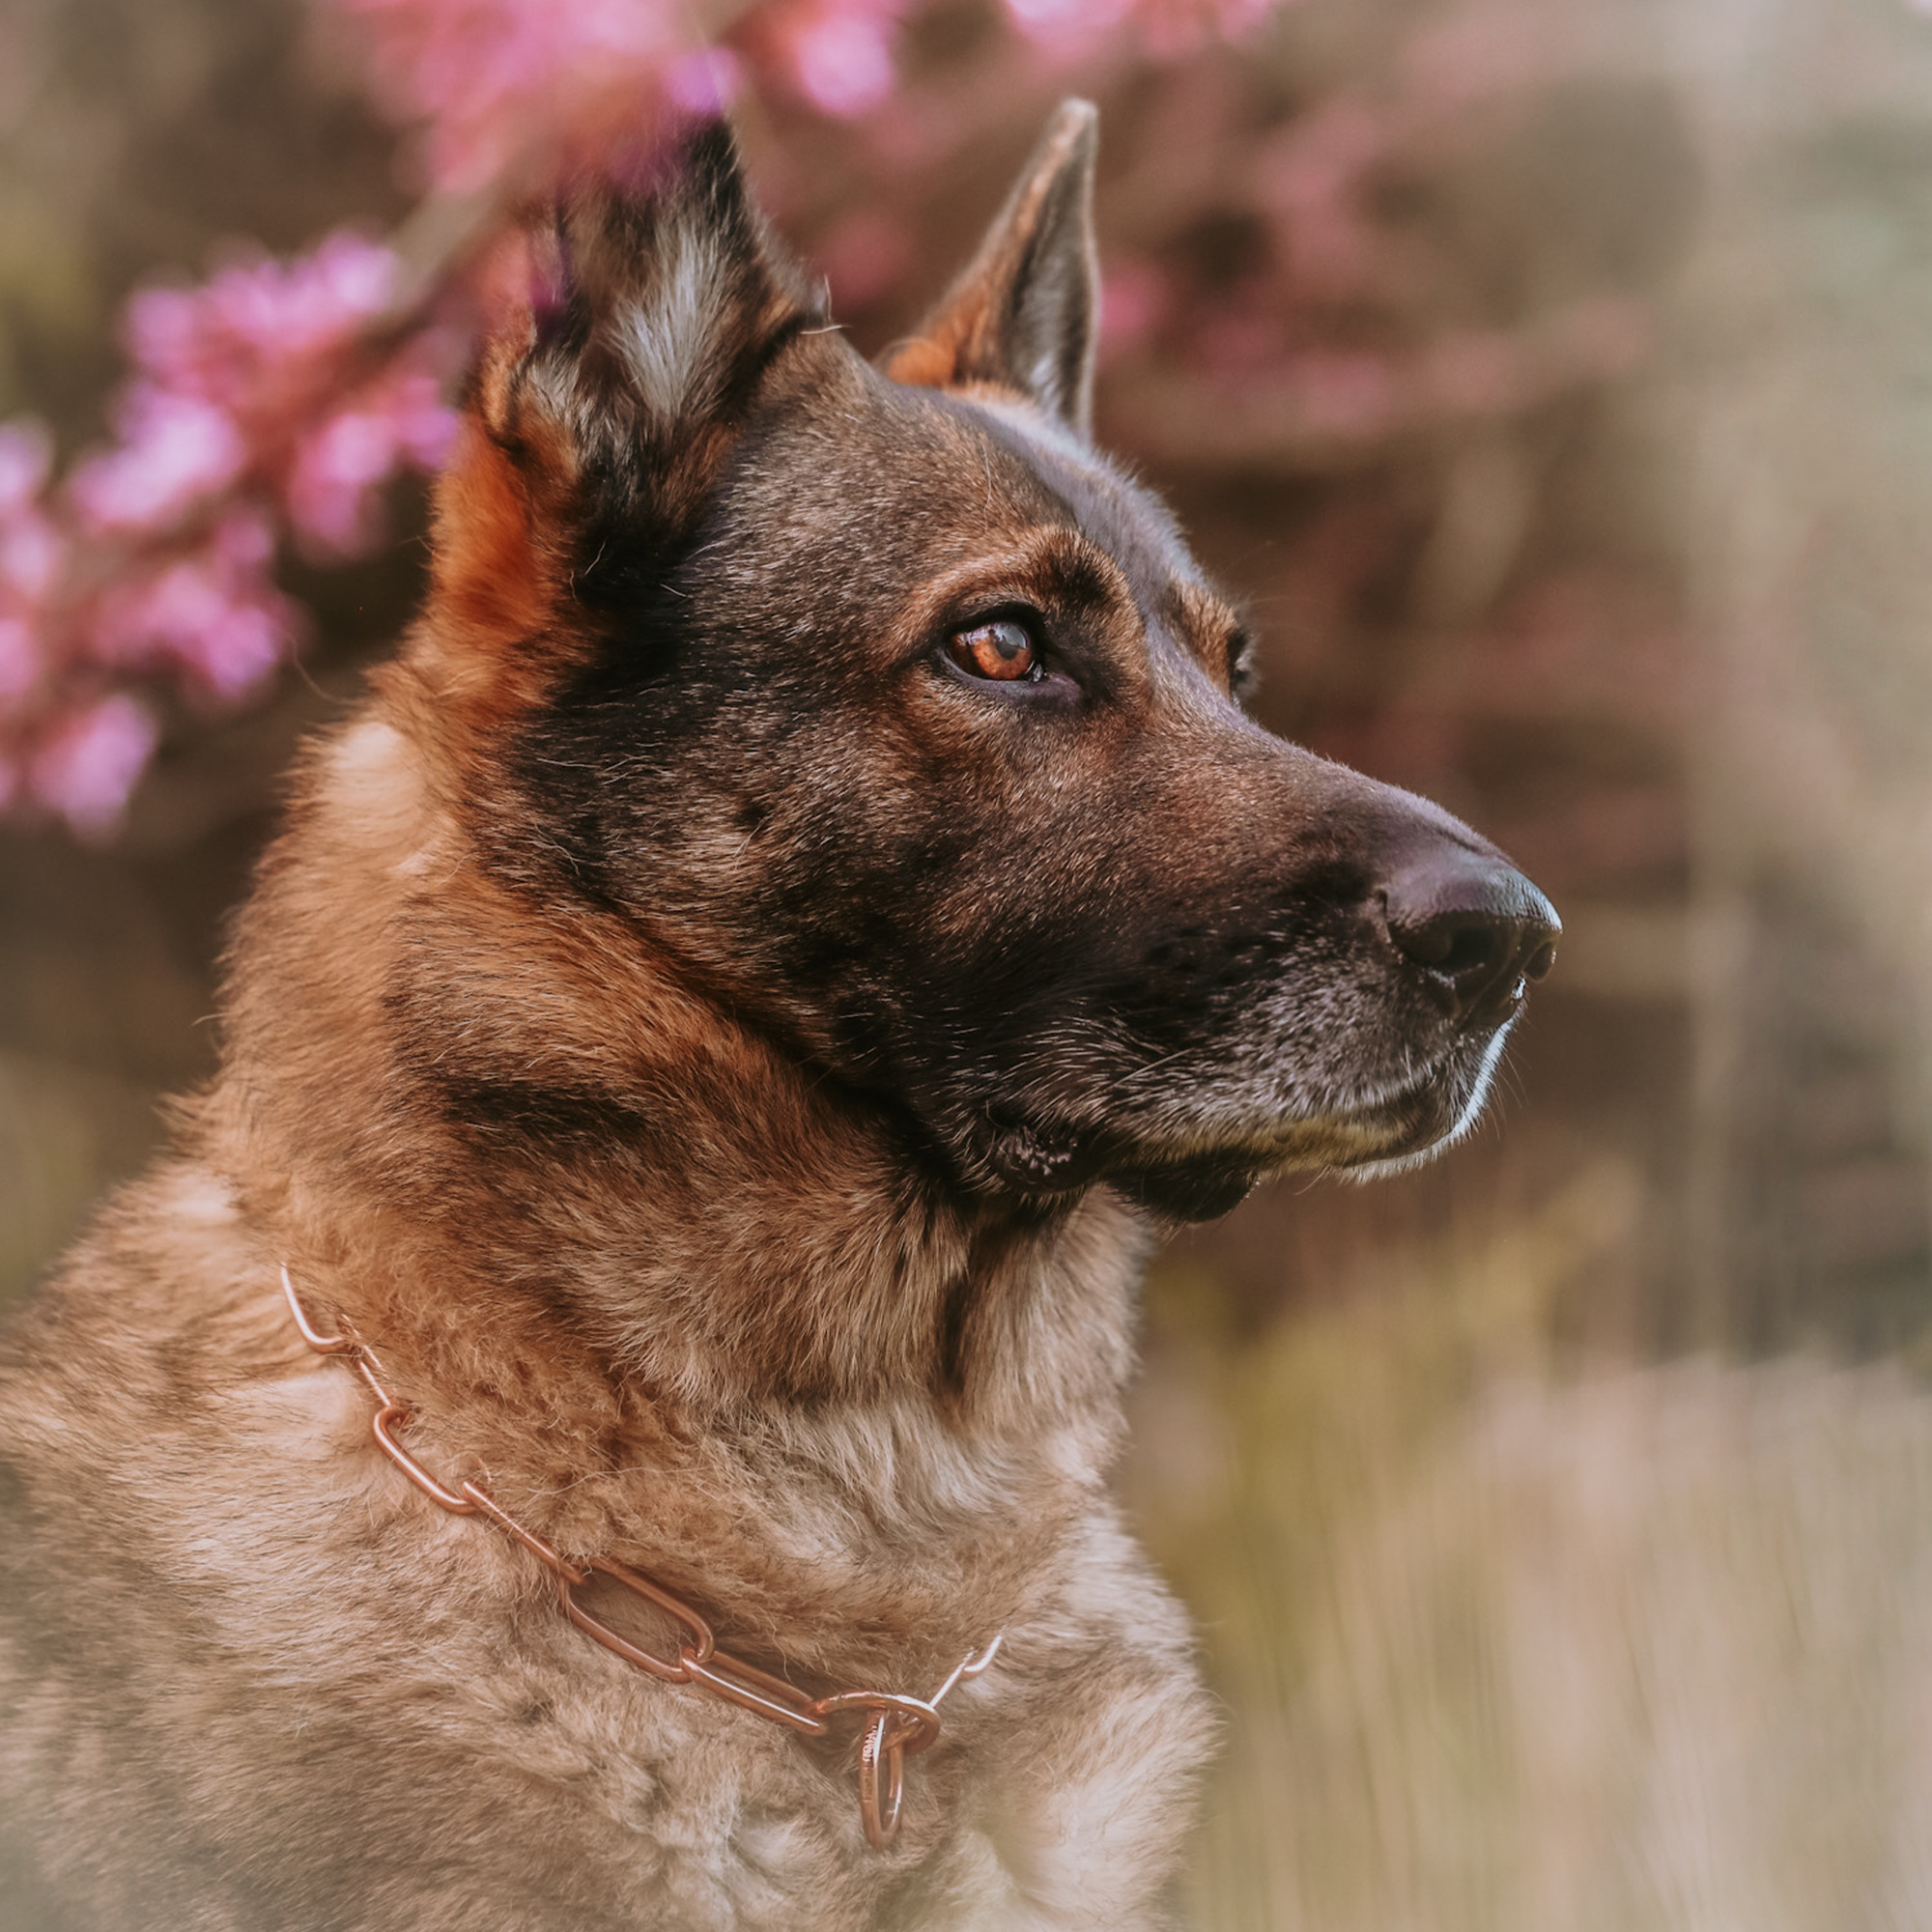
(310, 1699)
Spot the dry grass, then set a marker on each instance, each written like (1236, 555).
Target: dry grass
(1506, 1646)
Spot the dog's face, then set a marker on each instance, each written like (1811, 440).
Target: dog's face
(906, 724)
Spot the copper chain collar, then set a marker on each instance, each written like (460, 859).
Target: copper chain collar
(899, 1726)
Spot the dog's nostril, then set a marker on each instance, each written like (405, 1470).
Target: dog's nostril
(1453, 946)
(1467, 951)
(1474, 924)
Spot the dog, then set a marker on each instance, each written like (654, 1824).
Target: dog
(602, 1417)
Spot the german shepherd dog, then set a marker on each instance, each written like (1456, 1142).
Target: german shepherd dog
(708, 1051)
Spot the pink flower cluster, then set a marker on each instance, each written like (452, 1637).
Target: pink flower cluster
(507, 86)
(251, 385)
(279, 398)
(1168, 28)
(836, 54)
(83, 756)
(496, 82)
(253, 405)
(510, 87)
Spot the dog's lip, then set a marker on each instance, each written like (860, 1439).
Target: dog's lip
(1359, 1131)
(1052, 1154)
(1050, 1157)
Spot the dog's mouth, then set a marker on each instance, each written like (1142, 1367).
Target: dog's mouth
(1199, 1177)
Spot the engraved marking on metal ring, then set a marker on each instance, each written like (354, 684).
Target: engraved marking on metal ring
(898, 1725)
(881, 1782)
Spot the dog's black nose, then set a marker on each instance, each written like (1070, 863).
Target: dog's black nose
(1474, 924)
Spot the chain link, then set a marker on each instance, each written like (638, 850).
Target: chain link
(898, 1726)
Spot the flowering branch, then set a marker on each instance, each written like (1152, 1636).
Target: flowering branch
(277, 397)
(274, 404)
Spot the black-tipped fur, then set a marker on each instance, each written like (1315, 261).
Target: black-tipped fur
(714, 1022)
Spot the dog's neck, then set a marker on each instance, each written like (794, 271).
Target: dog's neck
(587, 1217)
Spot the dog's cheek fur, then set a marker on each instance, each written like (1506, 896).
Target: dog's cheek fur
(993, 917)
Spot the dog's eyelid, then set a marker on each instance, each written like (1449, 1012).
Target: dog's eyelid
(960, 653)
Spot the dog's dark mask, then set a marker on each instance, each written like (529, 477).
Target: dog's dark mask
(906, 723)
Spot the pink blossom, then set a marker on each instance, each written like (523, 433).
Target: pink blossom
(332, 488)
(214, 613)
(157, 561)
(252, 318)
(840, 55)
(703, 84)
(1135, 301)
(862, 257)
(20, 659)
(175, 452)
(1067, 19)
(335, 471)
(87, 765)
(32, 549)
(27, 455)
(487, 78)
(1168, 28)
(245, 382)
(1172, 28)
(233, 378)
(32, 552)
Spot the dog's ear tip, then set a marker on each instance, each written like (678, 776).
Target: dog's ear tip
(1022, 315)
(712, 136)
(1071, 140)
(1075, 118)
(695, 152)
(705, 152)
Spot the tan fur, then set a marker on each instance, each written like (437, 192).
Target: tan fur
(805, 1289)
(348, 1693)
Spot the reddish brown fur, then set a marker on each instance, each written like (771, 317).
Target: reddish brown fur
(286, 1693)
(538, 1100)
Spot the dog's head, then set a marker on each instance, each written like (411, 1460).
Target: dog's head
(903, 723)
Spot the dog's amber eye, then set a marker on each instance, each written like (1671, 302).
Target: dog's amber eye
(1001, 649)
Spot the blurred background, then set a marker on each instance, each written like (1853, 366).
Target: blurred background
(1553, 382)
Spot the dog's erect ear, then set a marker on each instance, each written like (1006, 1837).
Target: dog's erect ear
(672, 297)
(647, 311)
(1023, 315)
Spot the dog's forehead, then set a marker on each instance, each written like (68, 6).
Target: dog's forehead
(1134, 526)
(918, 480)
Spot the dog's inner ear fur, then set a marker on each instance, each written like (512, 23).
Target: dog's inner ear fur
(673, 299)
(1023, 314)
(603, 409)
